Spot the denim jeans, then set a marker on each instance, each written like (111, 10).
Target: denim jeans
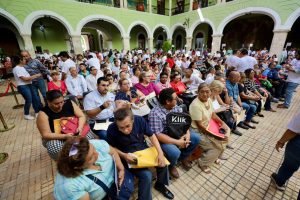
(250, 110)
(40, 85)
(30, 98)
(173, 153)
(291, 161)
(291, 87)
(144, 176)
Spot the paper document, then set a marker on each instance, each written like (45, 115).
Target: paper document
(146, 158)
(102, 126)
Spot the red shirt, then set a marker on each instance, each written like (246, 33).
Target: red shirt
(62, 88)
(178, 87)
(171, 62)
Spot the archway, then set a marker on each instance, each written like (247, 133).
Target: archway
(48, 34)
(249, 30)
(202, 36)
(293, 35)
(11, 41)
(138, 37)
(100, 35)
(179, 38)
(159, 36)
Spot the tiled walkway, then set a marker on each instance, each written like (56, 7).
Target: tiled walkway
(29, 173)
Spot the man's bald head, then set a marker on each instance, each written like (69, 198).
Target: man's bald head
(234, 76)
(25, 54)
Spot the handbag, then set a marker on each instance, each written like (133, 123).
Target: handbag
(69, 125)
(113, 193)
(177, 124)
(227, 117)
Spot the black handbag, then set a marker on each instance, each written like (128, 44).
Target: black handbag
(227, 117)
(177, 124)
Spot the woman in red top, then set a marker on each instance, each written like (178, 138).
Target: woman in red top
(177, 85)
(170, 61)
(57, 84)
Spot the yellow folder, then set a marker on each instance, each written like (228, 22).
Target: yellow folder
(146, 158)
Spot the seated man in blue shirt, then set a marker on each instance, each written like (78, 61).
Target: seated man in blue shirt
(175, 149)
(127, 135)
(233, 93)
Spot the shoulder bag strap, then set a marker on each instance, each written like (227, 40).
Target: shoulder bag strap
(100, 183)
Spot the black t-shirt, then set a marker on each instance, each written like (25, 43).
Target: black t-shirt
(67, 111)
(242, 89)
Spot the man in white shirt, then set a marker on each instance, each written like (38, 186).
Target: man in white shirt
(91, 79)
(246, 62)
(76, 83)
(233, 60)
(293, 81)
(99, 106)
(93, 62)
(67, 63)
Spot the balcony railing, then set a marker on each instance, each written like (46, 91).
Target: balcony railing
(142, 6)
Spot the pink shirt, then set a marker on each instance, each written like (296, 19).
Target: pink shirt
(62, 88)
(163, 86)
(148, 89)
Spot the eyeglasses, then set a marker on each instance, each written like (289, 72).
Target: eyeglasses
(74, 149)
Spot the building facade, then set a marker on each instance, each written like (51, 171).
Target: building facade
(71, 25)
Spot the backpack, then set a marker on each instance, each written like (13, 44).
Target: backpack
(177, 124)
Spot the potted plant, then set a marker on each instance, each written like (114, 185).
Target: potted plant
(166, 46)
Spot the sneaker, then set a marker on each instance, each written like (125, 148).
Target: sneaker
(273, 179)
(275, 100)
(28, 117)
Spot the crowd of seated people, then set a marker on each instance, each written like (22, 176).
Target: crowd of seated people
(232, 90)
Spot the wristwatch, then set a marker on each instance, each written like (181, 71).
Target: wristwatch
(102, 107)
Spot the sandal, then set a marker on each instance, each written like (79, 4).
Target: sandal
(250, 126)
(205, 169)
(218, 161)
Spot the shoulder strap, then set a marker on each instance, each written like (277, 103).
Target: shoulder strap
(100, 183)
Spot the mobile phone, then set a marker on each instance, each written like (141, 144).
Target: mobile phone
(222, 131)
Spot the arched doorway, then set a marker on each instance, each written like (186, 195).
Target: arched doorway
(138, 37)
(160, 35)
(293, 35)
(249, 30)
(202, 37)
(49, 34)
(10, 41)
(100, 35)
(179, 38)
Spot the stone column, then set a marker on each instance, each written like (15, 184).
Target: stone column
(188, 44)
(150, 6)
(126, 43)
(121, 4)
(76, 42)
(150, 44)
(28, 44)
(191, 5)
(216, 43)
(125, 3)
(170, 7)
(278, 41)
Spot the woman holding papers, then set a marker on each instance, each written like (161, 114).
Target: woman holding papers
(55, 109)
(90, 170)
(202, 111)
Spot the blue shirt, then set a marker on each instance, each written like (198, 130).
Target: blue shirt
(233, 90)
(34, 66)
(133, 142)
(75, 188)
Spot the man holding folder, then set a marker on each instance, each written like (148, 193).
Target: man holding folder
(126, 134)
